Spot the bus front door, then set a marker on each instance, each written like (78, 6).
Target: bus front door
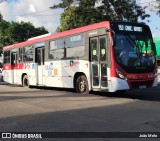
(98, 55)
(40, 69)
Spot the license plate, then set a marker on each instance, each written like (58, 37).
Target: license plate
(142, 86)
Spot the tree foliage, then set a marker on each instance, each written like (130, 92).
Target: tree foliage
(83, 12)
(158, 7)
(14, 32)
(1, 17)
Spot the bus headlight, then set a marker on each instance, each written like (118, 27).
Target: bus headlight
(120, 74)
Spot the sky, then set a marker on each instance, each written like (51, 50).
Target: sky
(154, 18)
(35, 11)
(39, 14)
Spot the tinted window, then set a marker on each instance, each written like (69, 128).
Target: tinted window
(57, 44)
(6, 57)
(20, 58)
(75, 46)
(28, 53)
(74, 41)
(75, 51)
(56, 49)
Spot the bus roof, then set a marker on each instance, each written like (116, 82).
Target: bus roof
(61, 34)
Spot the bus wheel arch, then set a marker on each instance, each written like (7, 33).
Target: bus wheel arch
(81, 83)
(25, 80)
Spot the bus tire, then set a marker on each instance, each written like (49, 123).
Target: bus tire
(82, 85)
(25, 81)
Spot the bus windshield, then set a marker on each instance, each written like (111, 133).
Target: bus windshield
(134, 50)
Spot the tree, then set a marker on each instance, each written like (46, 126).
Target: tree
(1, 17)
(15, 32)
(83, 12)
(158, 7)
(3, 35)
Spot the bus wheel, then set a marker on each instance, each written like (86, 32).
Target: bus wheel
(25, 81)
(82, 85)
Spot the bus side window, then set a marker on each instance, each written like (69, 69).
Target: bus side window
(75, 46)
(56, 49)
(6, 57)
(20, 55)
(14, 59)
(19, 60)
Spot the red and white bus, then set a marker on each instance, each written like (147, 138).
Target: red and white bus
(106, 56)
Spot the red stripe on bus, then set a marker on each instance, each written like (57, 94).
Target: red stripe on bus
(17, 66)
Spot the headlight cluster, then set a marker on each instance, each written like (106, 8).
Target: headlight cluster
(120, 74)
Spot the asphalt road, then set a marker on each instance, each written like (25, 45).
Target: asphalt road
(62, 110)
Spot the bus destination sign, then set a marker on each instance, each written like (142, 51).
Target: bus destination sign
(129, 28)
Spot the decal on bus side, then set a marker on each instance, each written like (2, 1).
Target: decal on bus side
(49, 68)
(26, 66)
(74, 63)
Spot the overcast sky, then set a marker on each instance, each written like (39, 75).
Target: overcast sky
(38, 13)
(34, 11)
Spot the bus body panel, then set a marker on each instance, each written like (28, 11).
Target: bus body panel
(61, 73)
(118, 84)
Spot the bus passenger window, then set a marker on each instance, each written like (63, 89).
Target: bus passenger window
(56, 49)
(6, 57)
(20, 55)
(75, 46)
(51, 54)
(20, 59)
(75, 51)
(28, 53)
